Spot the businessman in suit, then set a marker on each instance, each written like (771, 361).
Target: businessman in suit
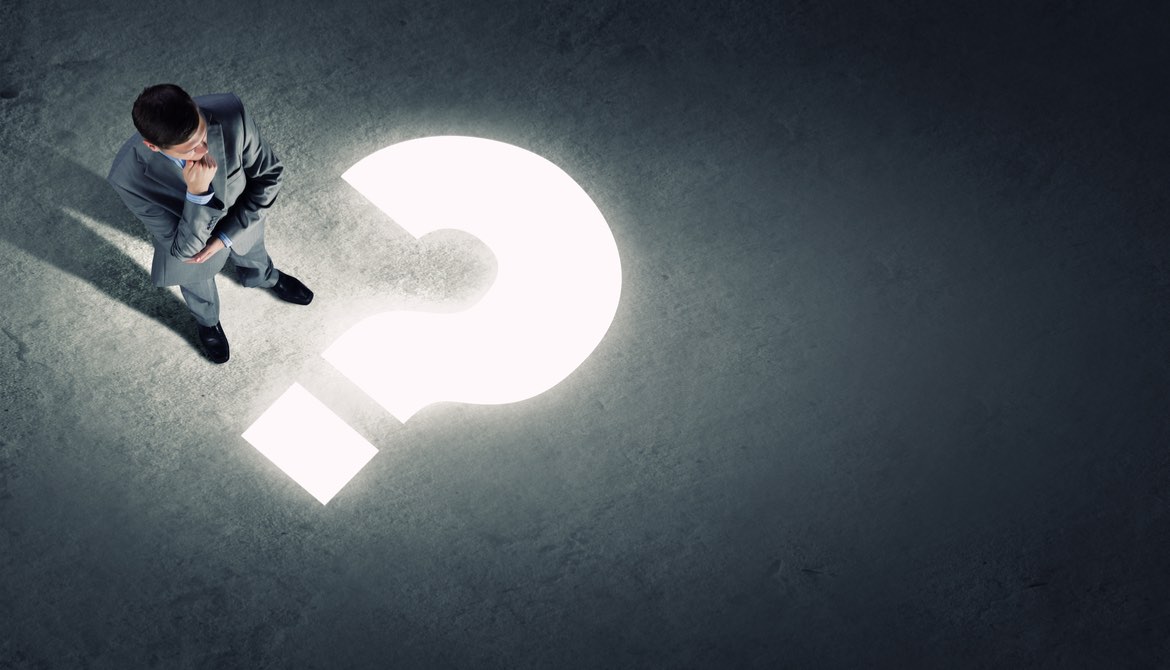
(200, 177)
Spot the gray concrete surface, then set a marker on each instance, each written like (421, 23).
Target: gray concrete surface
(887, 385)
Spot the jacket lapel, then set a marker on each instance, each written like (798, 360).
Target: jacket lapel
(215, 147)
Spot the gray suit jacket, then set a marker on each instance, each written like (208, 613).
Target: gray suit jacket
(245, 184)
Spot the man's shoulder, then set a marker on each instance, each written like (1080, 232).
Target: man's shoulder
(221, 105)
(127, 162)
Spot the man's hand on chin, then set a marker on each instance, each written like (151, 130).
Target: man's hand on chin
(208, 251)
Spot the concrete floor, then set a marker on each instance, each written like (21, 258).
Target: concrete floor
(886, 387)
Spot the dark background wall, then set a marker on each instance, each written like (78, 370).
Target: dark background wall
(887, 385)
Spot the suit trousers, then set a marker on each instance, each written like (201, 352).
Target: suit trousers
(254, 269)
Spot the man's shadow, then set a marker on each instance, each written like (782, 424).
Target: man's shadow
(50, 232)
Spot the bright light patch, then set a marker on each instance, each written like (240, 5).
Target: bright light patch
(310, 443)
(556, 289)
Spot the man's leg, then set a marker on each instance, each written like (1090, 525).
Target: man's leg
(255, 268)
(203, 301)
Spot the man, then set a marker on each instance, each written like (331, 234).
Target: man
(200, 177)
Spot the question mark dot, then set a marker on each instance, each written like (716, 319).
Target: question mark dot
(310, 443)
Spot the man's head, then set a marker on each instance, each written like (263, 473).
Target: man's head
(169, 121)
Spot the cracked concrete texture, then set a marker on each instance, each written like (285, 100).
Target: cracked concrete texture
(886, 386)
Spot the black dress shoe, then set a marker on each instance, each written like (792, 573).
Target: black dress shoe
(214, 342)
(290, 289)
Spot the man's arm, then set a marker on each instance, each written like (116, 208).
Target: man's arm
(263, 171)
(179, 233)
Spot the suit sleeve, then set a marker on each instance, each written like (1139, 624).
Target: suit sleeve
(179, 233)
(263, 171)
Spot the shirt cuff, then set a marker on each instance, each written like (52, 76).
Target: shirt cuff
(200, 199)
(227, 242)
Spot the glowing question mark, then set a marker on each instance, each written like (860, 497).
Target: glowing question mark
(556, 291)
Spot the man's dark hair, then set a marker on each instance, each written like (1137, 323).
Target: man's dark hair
(165, 115)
